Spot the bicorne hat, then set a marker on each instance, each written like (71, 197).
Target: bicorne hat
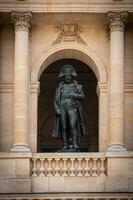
(67, 70)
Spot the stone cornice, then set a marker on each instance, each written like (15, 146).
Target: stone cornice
(21, 20)
(97, 6)
(117, 20)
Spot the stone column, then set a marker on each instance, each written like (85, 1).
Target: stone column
(117, 23)
(21, 21)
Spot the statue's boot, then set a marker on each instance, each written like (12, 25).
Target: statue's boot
(76, 147)
(66, 146)
(75, 143)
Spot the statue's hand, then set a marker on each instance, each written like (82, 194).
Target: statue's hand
(58, 112)
(76, 96)
(73, 95)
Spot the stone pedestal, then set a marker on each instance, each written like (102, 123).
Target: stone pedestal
(15, 172)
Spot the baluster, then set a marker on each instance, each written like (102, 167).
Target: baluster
(34, 170)
(87, 167)
(57, 170)
(102, 168)
(76, 167)
(49, 167)
(53, 166)
(65, 171)
(60, 165)
(41, 167)
(94, 169)
(72, 170)
(80, 167)
(45, 167)
(84, 167)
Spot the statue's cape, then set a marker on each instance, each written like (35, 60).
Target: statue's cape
(57, 131)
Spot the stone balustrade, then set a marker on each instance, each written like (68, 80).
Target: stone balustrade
(65, 173)
(57, 164)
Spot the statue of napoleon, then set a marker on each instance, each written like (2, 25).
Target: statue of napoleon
(69, 123)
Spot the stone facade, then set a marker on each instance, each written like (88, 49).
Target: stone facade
(35, 34)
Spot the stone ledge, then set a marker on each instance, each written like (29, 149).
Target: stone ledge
(124, 154)
(12, 155)
(67, 195)
(128, 154)
(69, 155)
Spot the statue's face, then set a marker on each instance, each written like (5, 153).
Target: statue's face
(68, 79)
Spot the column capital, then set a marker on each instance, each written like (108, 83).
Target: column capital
(117, 20)
(21, 20)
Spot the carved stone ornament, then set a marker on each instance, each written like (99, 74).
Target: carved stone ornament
(69, 32)
(21, 20)
(117, 20)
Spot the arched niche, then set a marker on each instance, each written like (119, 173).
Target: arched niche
(48, 83)
(93, 61)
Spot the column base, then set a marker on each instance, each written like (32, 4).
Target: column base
(116, 148)
(20, 148)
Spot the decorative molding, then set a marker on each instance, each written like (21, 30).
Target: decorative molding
(88, 55)
(101, 88)
(117, 20)
(21, 20)
(128, 88)
(61, 6)
(69, 32)
(6, 87)
(34, 87)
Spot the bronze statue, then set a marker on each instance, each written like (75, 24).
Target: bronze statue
(69, 124)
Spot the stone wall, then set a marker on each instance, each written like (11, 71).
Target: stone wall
(93, 31)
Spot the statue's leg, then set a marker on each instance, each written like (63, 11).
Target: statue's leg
(64, 129)
(72, 120)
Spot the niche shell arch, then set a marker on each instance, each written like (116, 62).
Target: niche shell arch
(74, 51)
(86, 55)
